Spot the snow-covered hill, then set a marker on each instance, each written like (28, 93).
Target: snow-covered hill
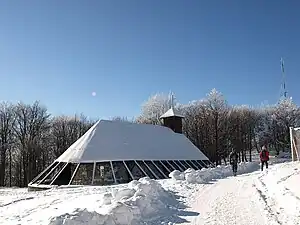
(207, 197)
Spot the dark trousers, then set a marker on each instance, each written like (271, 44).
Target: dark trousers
(234, 167)
(262, 165)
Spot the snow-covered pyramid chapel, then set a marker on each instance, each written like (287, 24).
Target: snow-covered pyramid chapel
(113, 152)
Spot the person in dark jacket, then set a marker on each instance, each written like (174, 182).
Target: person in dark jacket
(233, 160)
(264, 157)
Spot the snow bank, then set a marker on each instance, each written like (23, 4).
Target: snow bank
(139, 200)
(284, 155)
(207, 174)
(281, 158)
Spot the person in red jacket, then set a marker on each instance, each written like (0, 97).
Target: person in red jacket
(264, 157)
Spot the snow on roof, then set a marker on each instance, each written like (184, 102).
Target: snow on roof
(171, 112)
(117, 140)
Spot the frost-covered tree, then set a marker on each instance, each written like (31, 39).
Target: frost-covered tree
(286, 113)
(122, 119)
(274, 123)
(154, 107)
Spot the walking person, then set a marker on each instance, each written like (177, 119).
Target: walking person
(233, 160)
(264, 157)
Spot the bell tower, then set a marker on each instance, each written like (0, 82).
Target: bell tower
(172, 119)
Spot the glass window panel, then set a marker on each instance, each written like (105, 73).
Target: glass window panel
(201, 162)
(103, 174)
(204, 162)
(145, 168)
(136, 172)
(162, 168)
(65, 175)
(167, 165)
(179, 165)
(191, 164)
(53, 173)
(84, 174)
(185, 164)
(121, 173)
(199, 166)
(43, 174)
(155, 170)
(174, 165)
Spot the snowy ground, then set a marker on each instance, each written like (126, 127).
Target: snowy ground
(195, 197)
(263, 198)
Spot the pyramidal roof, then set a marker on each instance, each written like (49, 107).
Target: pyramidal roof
(117, 140)
(170, 113)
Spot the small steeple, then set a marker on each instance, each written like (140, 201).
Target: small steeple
(172, 118)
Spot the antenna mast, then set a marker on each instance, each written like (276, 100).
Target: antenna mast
(283, 93)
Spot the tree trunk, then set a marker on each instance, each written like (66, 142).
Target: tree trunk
(3, 164)
(10, 165)
(216, 140)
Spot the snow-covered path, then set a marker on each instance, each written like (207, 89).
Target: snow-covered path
(258, 198)
(230, 201)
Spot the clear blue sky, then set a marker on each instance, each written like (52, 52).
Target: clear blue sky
(59, 52)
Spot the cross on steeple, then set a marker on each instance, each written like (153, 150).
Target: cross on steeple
(172, 100)
(172, 118)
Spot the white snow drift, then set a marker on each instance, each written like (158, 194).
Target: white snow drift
(208, 174)
(122, 204)
(141, 199)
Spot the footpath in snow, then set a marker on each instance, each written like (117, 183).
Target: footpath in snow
(209, 196)
(270, 197)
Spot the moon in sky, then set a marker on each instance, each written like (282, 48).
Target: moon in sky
(94, 93)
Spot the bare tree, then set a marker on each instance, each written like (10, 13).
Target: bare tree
(7, 120)
(65, 130)
(31, 122)
(218, 109)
